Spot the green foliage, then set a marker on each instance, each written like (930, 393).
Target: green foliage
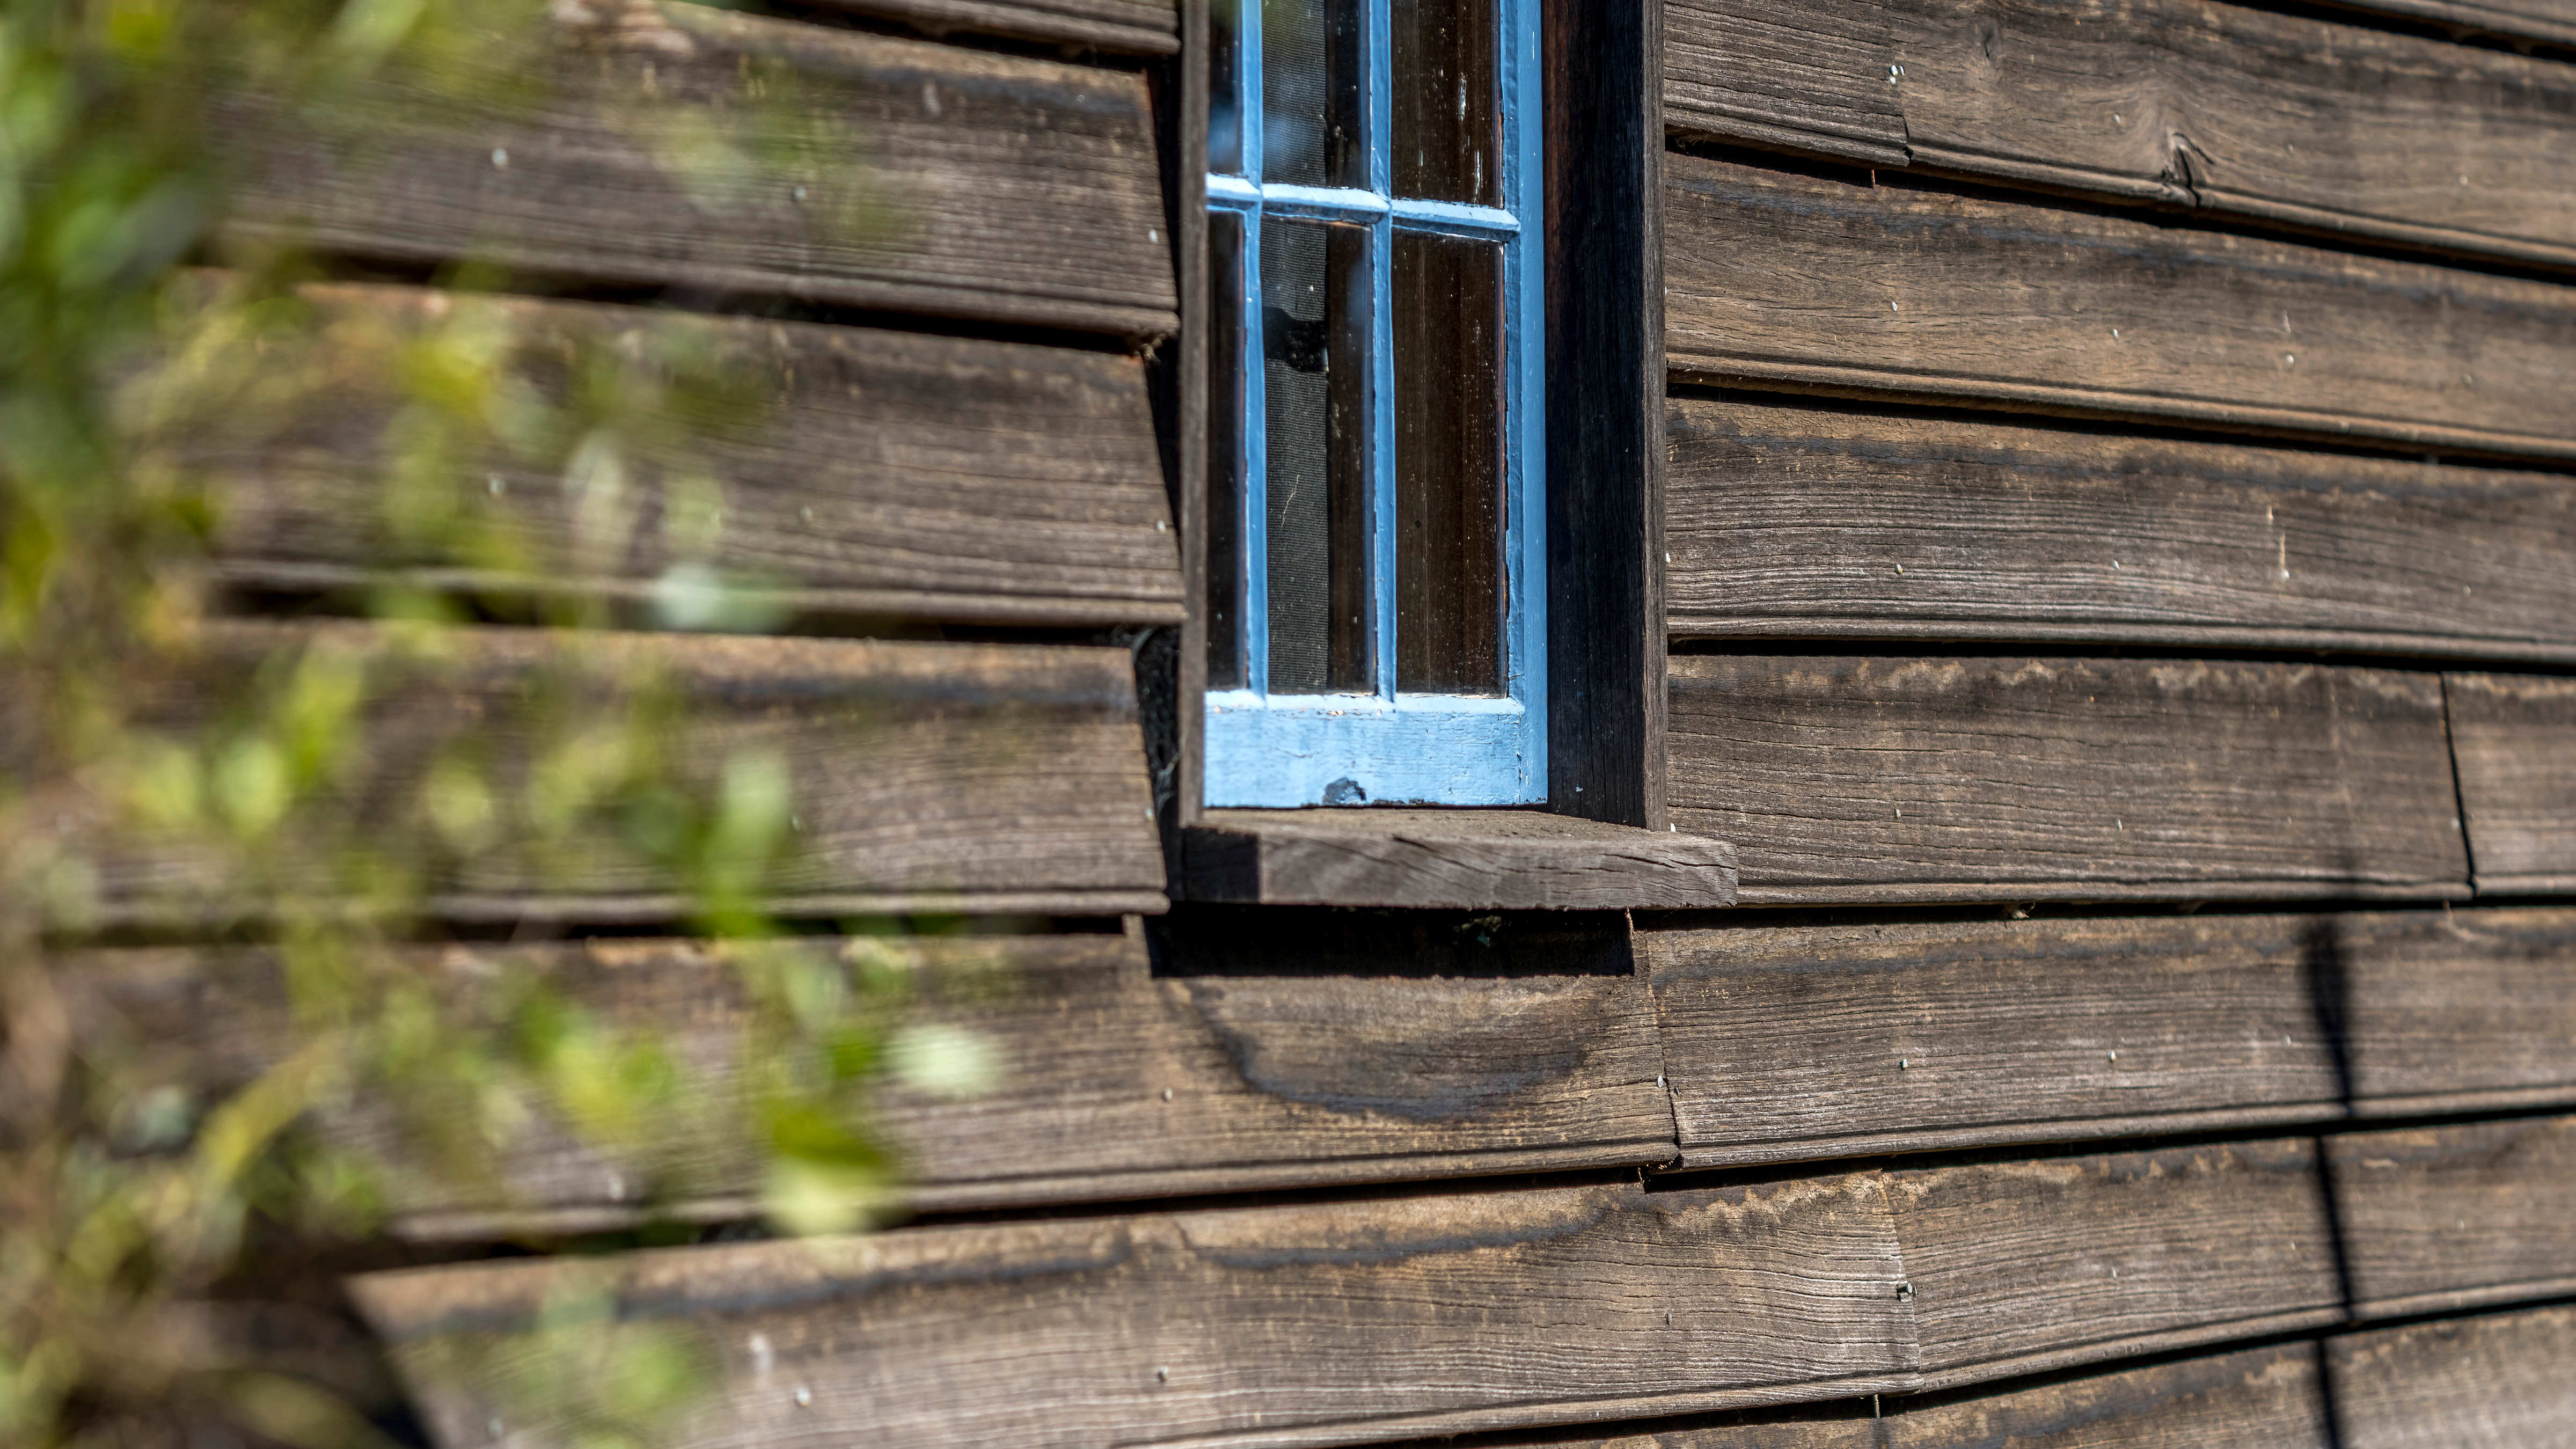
(139, 339)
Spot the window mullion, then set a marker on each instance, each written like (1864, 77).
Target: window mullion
(1254, 528)
(1377, 105)
(1247, 82)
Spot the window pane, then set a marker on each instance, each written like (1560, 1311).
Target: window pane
(1310, 93)
(1448, 132)
(1448, 327)
(1225, 452)
(1225, 114)
(1314, 351)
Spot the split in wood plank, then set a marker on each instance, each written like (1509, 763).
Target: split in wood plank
(863, 472)
(1461, 859)
(1812, 522)
(1798, 1043)
(1316, 1324)
(2515, 741)
(2335, 128)
(1854, 779)
(844, 168)
(911, 771)
(1821, 284)
(1108, 1083)
(1357, 1322)
(1139, 27)
(2492, 1382)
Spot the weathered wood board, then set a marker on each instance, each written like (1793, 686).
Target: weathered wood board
(2265, 1398)
(2547, 20)
(2037, 1265)
(1141, 27)
(2515, 742)
(1107, 1083)
(913, 771)
(1313, 1324)
(1846, 778)
(1796, 1043)
(2437, 1219)
(861, 472)
(690, 147)
(1358, 1322)
(2495, 1382)
(1462, 859)
(1814, 522)
(2342, 129)
(1810, 282)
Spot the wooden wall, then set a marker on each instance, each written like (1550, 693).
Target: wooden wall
(2120, 588)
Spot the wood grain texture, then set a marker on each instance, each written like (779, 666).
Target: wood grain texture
(1366, 1321)
(1810, 522)
(1806, 282)
(2496, 1382)
(914, 770)
(1807, 1042)
(2553, 21)
(1806, 78)
(2454, 1217)
(934, 179)
(1455, 859)
(1315, 1324)
(1108, 1084)
(2242, 112)
(1845, 778)
(2515, 743)
(882, 473)
(1359, 1322)
(1141, 27)
(2265, 1398)
(1605, 396)
(2035, 1265)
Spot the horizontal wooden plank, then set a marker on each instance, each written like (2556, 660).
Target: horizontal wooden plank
(1460, 859)
(1810, 282)
(1816, 523)
(2548, 20)
(2242, 112)
(1315, 1324)
(910, 771)
(2515, 741)
(879, 473)
(1814, 79)
(1141, 27)
(2457, 1217)
(1798, 1043)
(2025, 1266)
(1846, 778)
(1357, 1322)
(683, 146)
(2492, 1382)
(1108, 1083)
(2265, 1398)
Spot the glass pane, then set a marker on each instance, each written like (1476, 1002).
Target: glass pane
(1310, 93)
(1314, 363)
(1448, 327)
(1225, 452)
(1448, 132)
(1225, 111)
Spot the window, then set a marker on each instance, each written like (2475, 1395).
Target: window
(1376, 628)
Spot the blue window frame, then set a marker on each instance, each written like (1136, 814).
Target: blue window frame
(1376, 710)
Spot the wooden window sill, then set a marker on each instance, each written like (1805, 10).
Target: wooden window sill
(1449, 859)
